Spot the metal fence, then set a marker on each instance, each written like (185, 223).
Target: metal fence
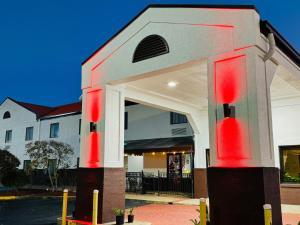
(160, 183)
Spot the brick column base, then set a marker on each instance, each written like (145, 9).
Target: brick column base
(111, 185)
(237, 195)
(200, 183)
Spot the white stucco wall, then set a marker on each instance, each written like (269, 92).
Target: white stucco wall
(286, 124)
(68, 132)
(20, 119)
(146, 123)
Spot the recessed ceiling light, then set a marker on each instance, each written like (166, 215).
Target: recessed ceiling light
(172, 84)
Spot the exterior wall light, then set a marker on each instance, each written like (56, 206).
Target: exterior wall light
(229, 111)
(93, 126)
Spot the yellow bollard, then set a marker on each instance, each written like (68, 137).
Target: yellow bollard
(203, 211)
(268, 214)
(95, 207)
(64, 208)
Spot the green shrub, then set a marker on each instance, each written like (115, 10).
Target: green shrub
(289, 178)
(118, 212)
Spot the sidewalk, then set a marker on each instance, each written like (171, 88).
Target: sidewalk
(157, 199)
(170, 210)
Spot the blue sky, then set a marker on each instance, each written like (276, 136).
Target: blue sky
(43, 42)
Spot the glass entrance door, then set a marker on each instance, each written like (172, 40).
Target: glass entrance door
(174, 168)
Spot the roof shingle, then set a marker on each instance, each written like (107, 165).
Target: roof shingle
(46, 111)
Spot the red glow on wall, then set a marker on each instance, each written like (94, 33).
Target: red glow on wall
(232, 138)
(94, 143)
(242, 48)
(214, 25)
(229, 75)
(93, 105)
(93, 139)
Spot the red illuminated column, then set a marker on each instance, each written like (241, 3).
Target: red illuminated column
(92, 138)
(101, 152)
(242, 176)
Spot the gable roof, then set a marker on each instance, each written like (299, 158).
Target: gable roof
(42, 111)
(39, 110)
(265, 28)
(64, 109)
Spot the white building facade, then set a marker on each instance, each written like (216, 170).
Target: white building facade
(224, 59)
(142, 123)
(21, 123)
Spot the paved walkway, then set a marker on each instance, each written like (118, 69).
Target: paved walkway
(156, 199)
(183, 209)
(163, 214)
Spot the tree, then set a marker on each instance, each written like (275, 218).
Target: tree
(8, 162)
(50, 155)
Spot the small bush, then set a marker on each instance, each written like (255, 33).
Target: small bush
(15, 178)
(118, 212)
(290, 179)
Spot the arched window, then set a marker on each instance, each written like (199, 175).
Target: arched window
(151, 46)
(6, 115)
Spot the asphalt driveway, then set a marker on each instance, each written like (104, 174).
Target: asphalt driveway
(40, 211)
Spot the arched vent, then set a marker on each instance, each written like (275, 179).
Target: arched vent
(6, 115)
(151, 46)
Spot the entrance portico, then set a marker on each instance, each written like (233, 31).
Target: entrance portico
(215, 57)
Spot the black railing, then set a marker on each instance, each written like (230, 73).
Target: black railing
(160, 183)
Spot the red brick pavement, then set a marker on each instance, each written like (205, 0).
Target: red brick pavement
(159, 214)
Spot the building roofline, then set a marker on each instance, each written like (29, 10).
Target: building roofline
(265, 27)
(204, 6)
(59, 115)
(281, 42)
(20, 104)
(45, 115)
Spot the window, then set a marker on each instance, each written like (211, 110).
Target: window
(290, 164)
(78, 162)
(126, 120)
(29, 134)
(8, 136)
(176, 118)
(54, 130)
(207, 157)
(151, 46)
(52, 166)
(79, 126)
(6, 115)
(26, 165)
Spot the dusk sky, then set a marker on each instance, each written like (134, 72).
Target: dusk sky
(43, 42)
